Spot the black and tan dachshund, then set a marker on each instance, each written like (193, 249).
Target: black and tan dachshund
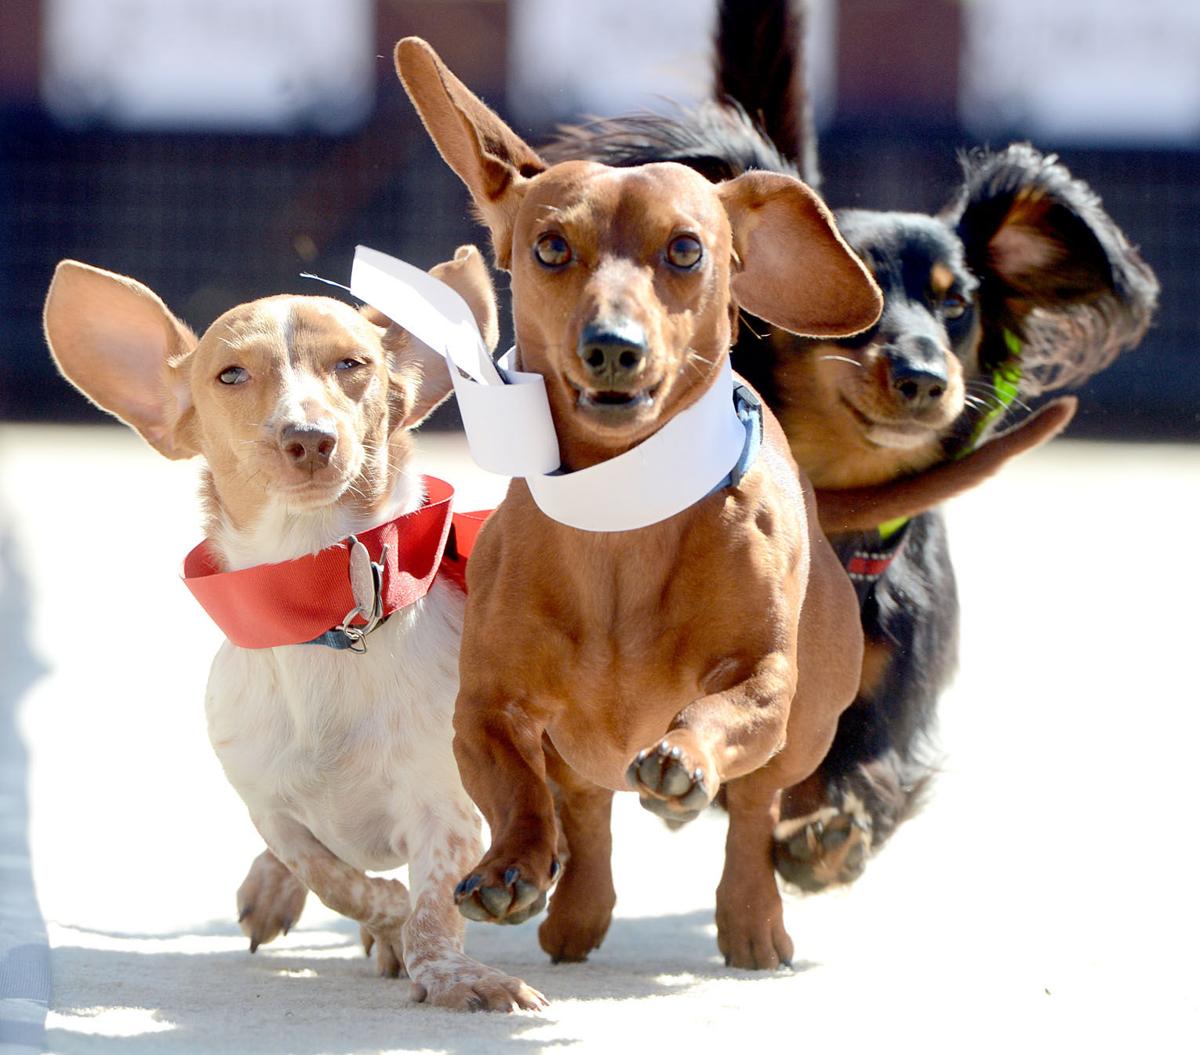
(1021, 286)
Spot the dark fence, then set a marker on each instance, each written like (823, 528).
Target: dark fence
(208, 221)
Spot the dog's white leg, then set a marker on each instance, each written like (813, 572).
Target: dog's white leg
(379, 905)
(269, 900)
(433, 936)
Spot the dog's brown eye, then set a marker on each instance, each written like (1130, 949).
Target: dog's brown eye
(684, 252)
(954, 306)
(552, 250)
(348, 364)
(233, 375)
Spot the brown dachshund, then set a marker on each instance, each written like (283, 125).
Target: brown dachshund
(715, 648)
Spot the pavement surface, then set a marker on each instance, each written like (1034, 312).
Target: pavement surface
(1045, 900)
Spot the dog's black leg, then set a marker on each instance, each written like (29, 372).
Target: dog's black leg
(881, 761)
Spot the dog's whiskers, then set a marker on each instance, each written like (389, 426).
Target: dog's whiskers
(840, 359)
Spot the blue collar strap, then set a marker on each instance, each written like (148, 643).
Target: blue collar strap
(750, 414)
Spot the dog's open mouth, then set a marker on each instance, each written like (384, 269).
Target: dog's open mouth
(614, 406)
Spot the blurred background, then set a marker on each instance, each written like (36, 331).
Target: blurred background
(216, 149)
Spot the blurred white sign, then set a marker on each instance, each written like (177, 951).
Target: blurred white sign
(570, 59)
(1096, 70)
(227, 64)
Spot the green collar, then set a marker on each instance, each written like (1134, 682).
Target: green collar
(1006, 379)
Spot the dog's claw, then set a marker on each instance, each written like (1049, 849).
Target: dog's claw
(467, 887)
(253, 945)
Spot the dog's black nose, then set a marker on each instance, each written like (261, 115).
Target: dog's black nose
(307, 446)
(917, 370)
(613, 354)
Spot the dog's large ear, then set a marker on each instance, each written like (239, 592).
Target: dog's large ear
(792, 266)
(419, 374)
(1059, 283)
(491, 159)
(117, 342)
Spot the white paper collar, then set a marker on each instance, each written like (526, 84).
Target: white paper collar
(506, 415)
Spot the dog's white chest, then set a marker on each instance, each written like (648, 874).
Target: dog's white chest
(349, 745)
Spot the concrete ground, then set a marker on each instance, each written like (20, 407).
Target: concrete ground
(1045, 900)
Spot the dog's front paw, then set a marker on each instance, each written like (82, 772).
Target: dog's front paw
(753, 940)
(388, 947)
(463, 984)
(269, 901)
(498, 893)
(827, 848)
(675, 778)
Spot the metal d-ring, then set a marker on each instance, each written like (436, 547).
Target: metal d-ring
(373, 615)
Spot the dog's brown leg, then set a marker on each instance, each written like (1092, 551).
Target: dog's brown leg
(582, 905)
(269, 900)
(379, 905)
(716, 738)
(499, 751)
(750, 931)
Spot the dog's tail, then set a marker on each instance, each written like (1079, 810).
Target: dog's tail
(758, 117)
(760, 68)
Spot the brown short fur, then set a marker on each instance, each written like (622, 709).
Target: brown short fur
(715, 648)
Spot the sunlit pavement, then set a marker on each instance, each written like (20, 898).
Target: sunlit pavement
(1045, 900)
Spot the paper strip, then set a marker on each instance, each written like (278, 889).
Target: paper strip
(510, 431)
(506, 418)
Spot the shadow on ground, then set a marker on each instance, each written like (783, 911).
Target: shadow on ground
(172, 1002)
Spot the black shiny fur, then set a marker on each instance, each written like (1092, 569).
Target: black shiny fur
(1034, 256)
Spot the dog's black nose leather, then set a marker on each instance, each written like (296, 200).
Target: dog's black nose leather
(917, 370)
(307, 446)
(613, 354)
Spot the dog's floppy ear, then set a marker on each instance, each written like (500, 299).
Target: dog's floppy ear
(419, 374)
(491, 159)
(1057, 277)
(116, 341)
(792, 267)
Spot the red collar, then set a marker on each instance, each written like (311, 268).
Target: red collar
(298, 601)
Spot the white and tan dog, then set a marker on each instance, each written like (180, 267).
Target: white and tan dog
(301, 408)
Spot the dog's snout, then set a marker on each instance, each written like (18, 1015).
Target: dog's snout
(613, 354)
(308, 446)
(917, 370)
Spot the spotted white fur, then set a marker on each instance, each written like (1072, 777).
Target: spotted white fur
(346, 760)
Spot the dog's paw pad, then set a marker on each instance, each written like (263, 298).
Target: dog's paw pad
(669, 783)
(825, 849)
(512, 900)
